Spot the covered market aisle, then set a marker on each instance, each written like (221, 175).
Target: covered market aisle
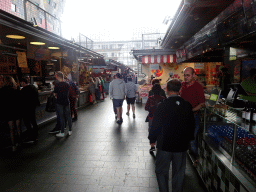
(100, 155)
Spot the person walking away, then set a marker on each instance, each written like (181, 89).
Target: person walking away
(61, 93)
(92, 90)
(117, 93)
(29, 98)
(193, 92)
(162, 92)
(151, 106)
(130, 91)
(172, 128)
(10, 108)
(114, 108)
(73, 95)
(97, 89)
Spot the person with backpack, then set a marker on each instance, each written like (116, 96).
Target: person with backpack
(151, 106)
(73, 95)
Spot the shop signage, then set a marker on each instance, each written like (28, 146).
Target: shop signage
(199, 66)
(154, 66)
(22, 59)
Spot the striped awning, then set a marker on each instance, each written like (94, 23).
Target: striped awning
(158, 59)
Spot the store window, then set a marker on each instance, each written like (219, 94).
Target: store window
(113, 54)
(54, 5)
(13, 7)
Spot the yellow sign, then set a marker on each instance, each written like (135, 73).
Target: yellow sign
(22, 59)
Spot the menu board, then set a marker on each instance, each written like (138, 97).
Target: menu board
(22, 59)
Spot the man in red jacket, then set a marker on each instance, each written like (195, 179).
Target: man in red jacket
(193, 92)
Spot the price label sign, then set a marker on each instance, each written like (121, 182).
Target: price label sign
(214, 97)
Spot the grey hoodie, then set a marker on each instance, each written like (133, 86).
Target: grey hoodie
(117, 89)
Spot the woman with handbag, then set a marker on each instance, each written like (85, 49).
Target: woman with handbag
(151, 106)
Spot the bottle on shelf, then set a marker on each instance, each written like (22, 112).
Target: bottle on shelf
(248, 112)
(254, 113)
(244, 110)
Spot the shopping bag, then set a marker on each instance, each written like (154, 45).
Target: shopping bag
(101, 97)
(90, 99)
(50, 105)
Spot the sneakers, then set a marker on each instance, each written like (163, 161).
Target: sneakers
(133, 116)
(60, 135)
(54, 131)
(152, 149)
(127, 113)
(70, 133)
(119, 122)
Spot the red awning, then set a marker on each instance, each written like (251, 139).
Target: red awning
(155, 59)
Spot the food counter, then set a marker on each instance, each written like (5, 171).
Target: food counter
(43, 117)
(227, 150)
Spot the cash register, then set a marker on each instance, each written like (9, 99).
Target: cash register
(233, 99)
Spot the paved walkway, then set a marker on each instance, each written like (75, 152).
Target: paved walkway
(99, 156)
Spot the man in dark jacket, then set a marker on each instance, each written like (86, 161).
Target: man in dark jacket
(172, 128)
(29, 101)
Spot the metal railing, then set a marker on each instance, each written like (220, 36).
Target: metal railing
(85, 41)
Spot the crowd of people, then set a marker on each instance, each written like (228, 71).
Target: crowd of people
(173, 119)
(17, 104)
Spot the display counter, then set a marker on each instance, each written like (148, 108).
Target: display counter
(43, 117)
(227, 150)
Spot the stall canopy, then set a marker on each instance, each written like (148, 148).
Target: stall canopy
(155, 56)
(192, 15)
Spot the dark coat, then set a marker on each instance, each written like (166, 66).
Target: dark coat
(173, 125)
(29, 97)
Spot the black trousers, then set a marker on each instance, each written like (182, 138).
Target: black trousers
(29, 118)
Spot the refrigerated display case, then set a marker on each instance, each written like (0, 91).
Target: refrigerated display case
(227, 150)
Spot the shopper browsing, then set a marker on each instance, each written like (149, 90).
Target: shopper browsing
(61, 92)
(193, 92)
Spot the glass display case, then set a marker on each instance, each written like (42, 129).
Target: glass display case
(233, 137)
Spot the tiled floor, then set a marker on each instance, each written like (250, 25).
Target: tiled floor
(99, 156)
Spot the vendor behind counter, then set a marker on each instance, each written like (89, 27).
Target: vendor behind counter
(249, 86)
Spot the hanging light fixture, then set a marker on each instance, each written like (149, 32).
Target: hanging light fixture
(37, 43)
(15, 36)
(53, 48)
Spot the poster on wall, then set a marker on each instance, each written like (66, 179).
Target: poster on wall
(22, 59)
(158, 72)
(246, 67)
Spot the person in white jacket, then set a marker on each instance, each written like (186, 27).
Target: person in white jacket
(117, 93)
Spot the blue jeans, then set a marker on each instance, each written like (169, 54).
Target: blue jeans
(194, 144)
(63, 112)
(163, 160)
